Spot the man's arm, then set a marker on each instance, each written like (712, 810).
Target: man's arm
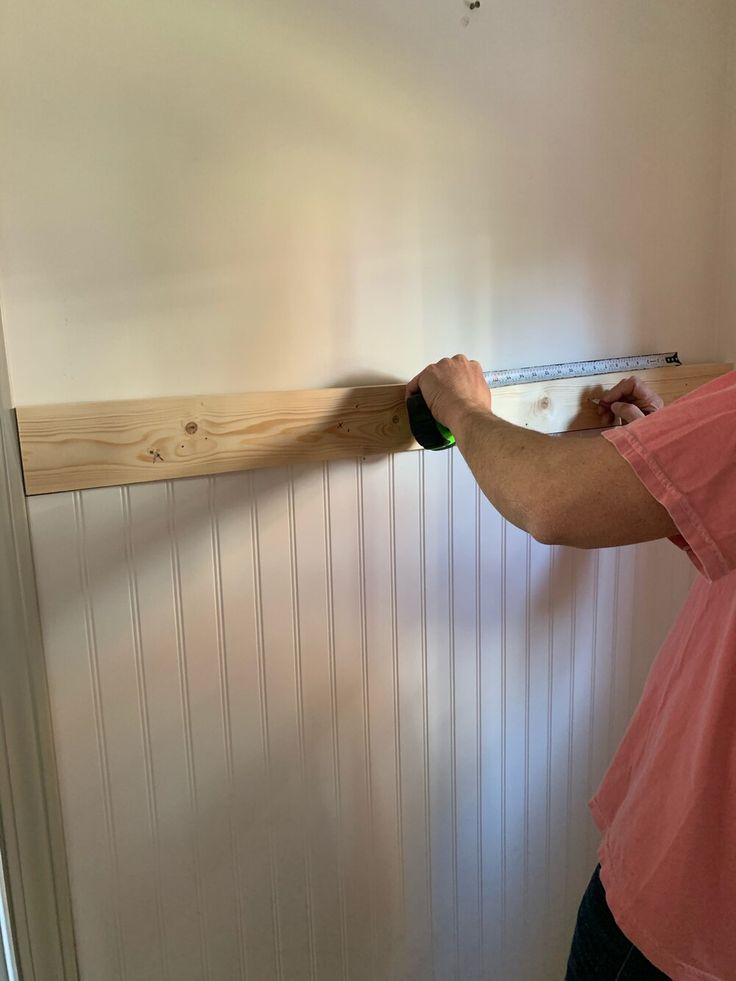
(577, 492)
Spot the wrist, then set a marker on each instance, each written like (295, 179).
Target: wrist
(466, 417)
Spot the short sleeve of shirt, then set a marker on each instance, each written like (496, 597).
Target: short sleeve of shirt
(685, 455)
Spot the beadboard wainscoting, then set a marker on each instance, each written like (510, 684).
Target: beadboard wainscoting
(333, 722)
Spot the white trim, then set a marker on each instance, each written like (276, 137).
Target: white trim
(39, 920)
(8, 965)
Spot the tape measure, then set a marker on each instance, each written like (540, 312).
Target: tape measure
(432, 435)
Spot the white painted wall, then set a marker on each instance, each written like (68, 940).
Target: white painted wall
(341, 722)
(227, 196)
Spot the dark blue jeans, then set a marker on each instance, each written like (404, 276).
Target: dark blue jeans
(600, 952)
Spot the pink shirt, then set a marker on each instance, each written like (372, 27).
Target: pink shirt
(667, 805)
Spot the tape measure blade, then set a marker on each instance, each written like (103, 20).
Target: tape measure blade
(578, 369)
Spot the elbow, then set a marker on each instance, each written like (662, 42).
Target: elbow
(546, 534)
(552, 516)
(561, 529)
(548, 525)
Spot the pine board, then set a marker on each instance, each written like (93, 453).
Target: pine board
(102, 444)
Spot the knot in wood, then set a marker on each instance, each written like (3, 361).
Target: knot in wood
(191, 428)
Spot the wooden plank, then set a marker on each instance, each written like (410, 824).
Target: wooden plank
(101, 444)
(565, 406)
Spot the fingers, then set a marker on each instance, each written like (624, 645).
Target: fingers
(626, 411)
(636, 392)
(628, 400)
(452, 388)
(618, 412)
(607, 418)
(439, 366)
(623, 391)
(416, 383)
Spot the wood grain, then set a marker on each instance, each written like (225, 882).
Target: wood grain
(102, 444)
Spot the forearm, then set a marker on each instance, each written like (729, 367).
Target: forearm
(579, 492)
(520, 471)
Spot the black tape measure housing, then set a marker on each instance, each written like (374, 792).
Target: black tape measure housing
(425, 429)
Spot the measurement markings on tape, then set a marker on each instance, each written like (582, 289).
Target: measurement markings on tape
(578, 369)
